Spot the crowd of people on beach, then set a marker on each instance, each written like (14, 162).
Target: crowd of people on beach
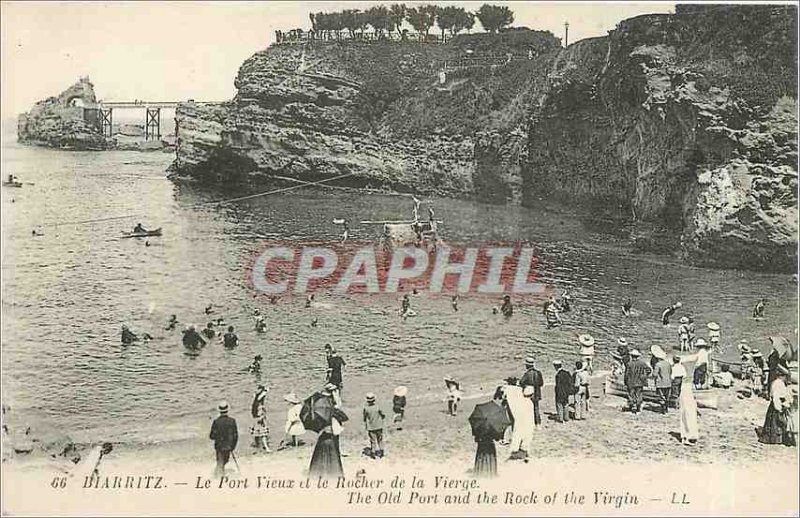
(663, 378)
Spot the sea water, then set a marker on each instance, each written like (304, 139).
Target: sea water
(65, 295)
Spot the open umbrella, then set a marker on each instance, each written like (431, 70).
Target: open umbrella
(786, 349)
(317, 411)
(489, 420)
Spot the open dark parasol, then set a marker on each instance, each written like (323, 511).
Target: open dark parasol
(489, 420)
(317, 411)
(786, 349)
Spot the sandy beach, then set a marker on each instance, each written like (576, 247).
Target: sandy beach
(613, 451)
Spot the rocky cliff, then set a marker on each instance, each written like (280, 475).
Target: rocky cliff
(683, 125)
(63, 121)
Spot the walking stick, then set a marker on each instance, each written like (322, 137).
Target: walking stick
(238, 468)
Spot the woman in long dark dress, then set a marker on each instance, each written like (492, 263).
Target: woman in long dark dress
(774, 429)
(486, 454)
(326, 461)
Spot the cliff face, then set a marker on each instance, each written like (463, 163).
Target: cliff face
(62, 121)
(683, 124)
(377, 112)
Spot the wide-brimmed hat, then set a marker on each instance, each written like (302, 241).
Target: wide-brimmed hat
(658, 352)
(530, 360)
(370, 397)
(635, 352)
(757, 354)
(679, 304)
(586, 340)
(223, 407)
(744, 348)
(557, 363)
(700, 343)
(401, 391)
(684, 320)
(713, 326)
(622, 341)
(292, 398)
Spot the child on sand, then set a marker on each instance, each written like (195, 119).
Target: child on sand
(399, 405)
(683, 334)
(713, 335)
(453, 395)
(294, 426)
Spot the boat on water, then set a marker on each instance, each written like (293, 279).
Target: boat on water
(12, 184)
(149, 233)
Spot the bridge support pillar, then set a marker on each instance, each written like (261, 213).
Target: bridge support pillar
(152, 127)
(104, 119)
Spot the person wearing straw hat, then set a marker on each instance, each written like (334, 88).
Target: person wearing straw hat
(374, 418)
(453, 397)
(760, 371)
(399, 405)
(700, 374)
(713, 334)
(294, 426)
(683, 334)
(533, 378)
(225, 435)
(586, 352)
(663, 375)
(636, 376)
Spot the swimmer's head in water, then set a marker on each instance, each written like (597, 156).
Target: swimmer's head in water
(230, 329)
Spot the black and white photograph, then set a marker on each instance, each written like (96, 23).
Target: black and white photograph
(370, 258)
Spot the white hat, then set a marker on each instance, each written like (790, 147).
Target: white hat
(700, 343)
(635, 352)
(223, 407)
(557, 363)
(622, 341)
(529, 360)
(679, 304)
(713, 326)
(658, 352)
(684, 320)
(586, 339)
(401, 391)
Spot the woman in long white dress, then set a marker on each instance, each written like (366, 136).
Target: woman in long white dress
(521, 409)
(690, 428)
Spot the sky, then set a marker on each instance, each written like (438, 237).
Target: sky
(192, 50)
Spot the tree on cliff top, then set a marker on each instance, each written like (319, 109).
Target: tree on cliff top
(378, 17)
(495, 17)
(422, 18)
(454, 19)
(397, 14)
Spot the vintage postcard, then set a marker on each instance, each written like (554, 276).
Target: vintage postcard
(399, 259)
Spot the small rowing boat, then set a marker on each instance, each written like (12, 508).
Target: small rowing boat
(12, 184)
(149, 233)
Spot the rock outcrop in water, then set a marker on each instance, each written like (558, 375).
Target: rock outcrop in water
(62, 122)
(683, 125)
